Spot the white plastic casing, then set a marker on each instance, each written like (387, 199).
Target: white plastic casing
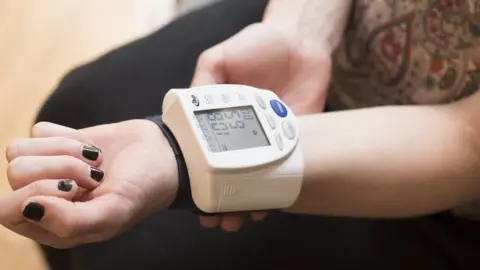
(260, 178)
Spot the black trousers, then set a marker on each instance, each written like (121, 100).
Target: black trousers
(130, 82)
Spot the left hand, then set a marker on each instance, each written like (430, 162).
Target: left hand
(13, 207)
(133, 176)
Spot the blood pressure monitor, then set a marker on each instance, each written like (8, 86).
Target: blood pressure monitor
(240, 146)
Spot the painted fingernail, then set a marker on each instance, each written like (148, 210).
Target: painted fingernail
(34, 211)
(65, 185)
(90, 152)
(96, 174)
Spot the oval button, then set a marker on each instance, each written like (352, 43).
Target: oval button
(261, 102)
(289, 130)
(279, 140)
(278, 108)
(271, 121)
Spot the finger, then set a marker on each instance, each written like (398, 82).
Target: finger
(11, 205)
(47, 129)
(54, 146)
(40, 235)
(232, 222)
(306, 110)
(27, 169)
(258, 216)
(82, 222)
(210, 67)
(210, 222)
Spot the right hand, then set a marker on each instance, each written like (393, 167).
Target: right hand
(264, 56)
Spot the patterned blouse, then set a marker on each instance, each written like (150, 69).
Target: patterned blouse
(399, 52)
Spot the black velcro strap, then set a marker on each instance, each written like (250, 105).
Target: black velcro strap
(184, 200)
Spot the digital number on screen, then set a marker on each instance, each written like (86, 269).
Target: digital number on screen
(231, 129)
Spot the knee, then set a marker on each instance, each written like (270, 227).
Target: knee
(66, 104)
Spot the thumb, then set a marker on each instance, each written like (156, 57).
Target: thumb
(11, 205)
(211, 68)
(84, 222)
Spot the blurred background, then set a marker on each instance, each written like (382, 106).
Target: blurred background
(39, 42)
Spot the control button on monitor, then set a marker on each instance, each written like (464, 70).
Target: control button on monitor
(226, 98)
(278, 108)
(279, 140)
(240, 96)
(271, 121)
(261, 102)
(289, 129)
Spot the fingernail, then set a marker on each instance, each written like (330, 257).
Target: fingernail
(96, 174)
(90, 152)
(65, 185)
(34, 211)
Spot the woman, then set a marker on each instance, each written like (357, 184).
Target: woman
(415, 162)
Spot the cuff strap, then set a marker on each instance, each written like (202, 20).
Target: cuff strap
(184, 200)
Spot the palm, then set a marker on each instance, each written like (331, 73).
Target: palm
(138, 163)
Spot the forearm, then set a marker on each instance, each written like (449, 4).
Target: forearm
(312, 20)
(387, 162)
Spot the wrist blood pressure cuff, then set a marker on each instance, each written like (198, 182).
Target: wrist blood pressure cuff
(183, 200)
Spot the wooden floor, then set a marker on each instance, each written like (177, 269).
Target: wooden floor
(39, 42)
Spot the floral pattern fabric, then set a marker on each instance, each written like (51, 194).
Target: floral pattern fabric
(398, 52)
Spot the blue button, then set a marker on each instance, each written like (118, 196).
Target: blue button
(278, 108)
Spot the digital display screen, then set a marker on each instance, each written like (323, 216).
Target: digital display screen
(231, 129)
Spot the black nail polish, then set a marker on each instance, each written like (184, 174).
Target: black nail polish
(65, 185)
(34, 211)
(96, 174)
(90, 152)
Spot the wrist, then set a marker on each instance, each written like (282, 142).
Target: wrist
(180, 196)
(172, 183)
(306, 44)
(309, 52)
(166, 172)
(169, 178)
(311, 22)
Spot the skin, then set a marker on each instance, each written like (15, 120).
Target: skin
(429, 154)
(300, 58)
(12, 205)
(429, 157)
(128, 193)
(291, 55)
